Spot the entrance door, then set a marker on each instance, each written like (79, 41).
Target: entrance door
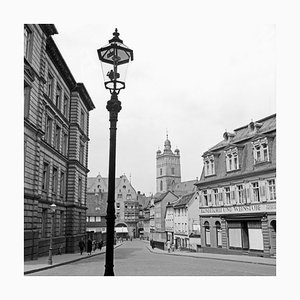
(273, 236)
(245, 235)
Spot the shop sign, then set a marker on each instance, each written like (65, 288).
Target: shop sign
(238, 209)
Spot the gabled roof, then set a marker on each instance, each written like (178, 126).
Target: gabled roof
(184, 187)
(245, 132)
(160, 196)
(96, 204)
(184, 200)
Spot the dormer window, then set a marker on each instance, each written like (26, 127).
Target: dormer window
(260, 151)
(209, 165)
(232, 159)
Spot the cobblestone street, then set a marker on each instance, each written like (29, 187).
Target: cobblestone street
(136, 259)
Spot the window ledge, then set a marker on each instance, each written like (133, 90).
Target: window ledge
(261, 163)
(232, 171)
(208, 176)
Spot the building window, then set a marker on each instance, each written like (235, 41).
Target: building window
(45, 179)
(48, 130)
(160, 171)
(65, 144)
(216, 197)
(57, 138)
(81, 153)
(227, 195)
(118, 205)
(119, 195)
(232, 161)
(241, 194)
(66, 106)
(173, 171)
(272, 189)
(207, 233)
(82, 120)
(209, 166)
(205, 198)
(62, 184)
(54, 180)
(27, 90)
(49, 86)
(255, 189)
(27, 42)
(260, 151)
(79, 189)
(98, 219)
(161, 185)
(44, 222)
(61, 223)
(58, 97)
(128, 197)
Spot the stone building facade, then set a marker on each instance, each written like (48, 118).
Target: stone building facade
(56, 126)
(238, 191)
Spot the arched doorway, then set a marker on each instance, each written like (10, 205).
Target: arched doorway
(121, 231)
(273, 237)
(207, 233)
(218, 234)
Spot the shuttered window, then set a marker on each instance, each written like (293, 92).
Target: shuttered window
(235, 237)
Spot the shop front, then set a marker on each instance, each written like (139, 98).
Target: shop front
(249, 229)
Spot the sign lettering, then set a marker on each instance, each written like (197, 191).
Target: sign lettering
(258, 207)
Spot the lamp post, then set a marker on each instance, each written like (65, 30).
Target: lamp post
(114, 58)
(52, 211)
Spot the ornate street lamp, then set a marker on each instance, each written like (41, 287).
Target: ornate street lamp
(52, 211)
(114, 58)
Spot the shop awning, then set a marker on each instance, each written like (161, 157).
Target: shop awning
(121, 229)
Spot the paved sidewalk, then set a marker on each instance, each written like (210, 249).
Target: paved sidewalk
(228, 257)
(41, 263)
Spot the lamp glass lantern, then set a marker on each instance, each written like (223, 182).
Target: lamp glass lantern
(115, 58)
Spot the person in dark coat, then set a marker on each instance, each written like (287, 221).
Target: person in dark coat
(81, 246)
(89, 246)
(100, 245)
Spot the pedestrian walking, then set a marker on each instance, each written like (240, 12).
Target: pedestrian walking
(94, 245)
(81, 246)
(89, 246)
(100, 245)
(168, 246)
(152, 243)
(173, 247)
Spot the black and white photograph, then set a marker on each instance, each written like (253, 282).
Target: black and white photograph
(148, 150)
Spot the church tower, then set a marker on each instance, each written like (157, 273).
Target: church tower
(167, 168)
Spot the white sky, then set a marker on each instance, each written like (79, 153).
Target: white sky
(193, 79)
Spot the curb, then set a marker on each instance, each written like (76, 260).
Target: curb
(215, 258)
(65, 262)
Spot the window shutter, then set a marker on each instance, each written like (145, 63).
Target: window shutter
(221, 196)
(248, 199)
(267, 191)
(262, 190)
(244, 195)
(233, 199)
